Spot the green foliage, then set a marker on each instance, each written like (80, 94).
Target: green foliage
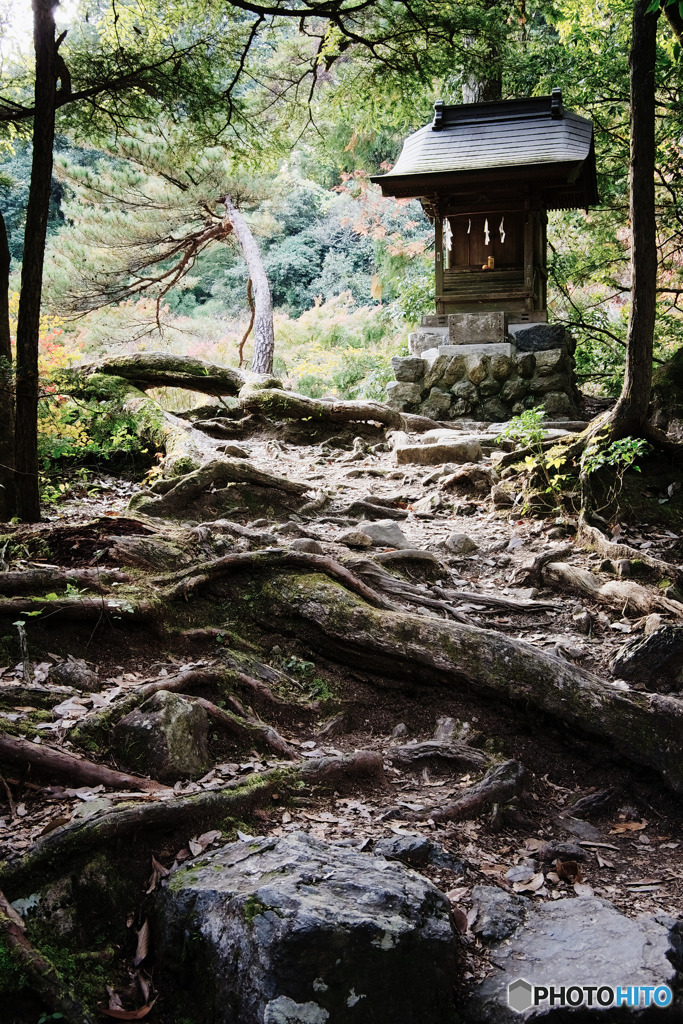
(619, 455)
(526, 429)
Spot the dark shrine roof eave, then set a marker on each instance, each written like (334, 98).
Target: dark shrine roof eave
(554, 186)
(534, 142)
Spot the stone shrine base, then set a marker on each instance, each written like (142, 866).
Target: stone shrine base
(531, 365)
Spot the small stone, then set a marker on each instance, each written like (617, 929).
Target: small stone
(514, 543)
(466, 450)
(437, 405)
(166, 737)
(304, 544)
(399, 731)
(583, 622)
(556, 533)
(608, 566)
(355, 539)
(494, 411)
(526, 364)
(550, 361)
(417, 852)
(403, 396)
(384, 533)
(460, 544)
(234, 451)
(515, 389)
(74, 672)
(479, 371)
(488, 387)
(465, 389)
(500, 497)
(624, 568)
(408, 369)
(290, 529)
(501, 367)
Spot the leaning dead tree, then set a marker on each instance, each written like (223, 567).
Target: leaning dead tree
(159, 220)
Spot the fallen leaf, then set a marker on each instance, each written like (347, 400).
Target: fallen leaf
(628, 826)
(603, 862)
(55, 823)
(583, 889)
(459, 919)
(128, 1014)
(142, 946)
(533, 885)
(568, 871)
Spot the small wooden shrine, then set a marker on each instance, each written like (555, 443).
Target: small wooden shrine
(486, 175)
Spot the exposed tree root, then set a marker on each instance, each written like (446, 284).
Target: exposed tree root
(247, 730)
(56, 762)
(216, 473)
(198, 576)
(590, 537)
(278, 404)
(30, 580)
(85, 609)
(499, 785)
(453, 753)
(206, 809)
(647, 728)
(42, 976)
(621, 595)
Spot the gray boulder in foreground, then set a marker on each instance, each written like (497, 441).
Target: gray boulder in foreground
(292, 930)
(582, 941)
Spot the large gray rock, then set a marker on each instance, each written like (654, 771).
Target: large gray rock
(384, 533)
(465, 450)
(166, 737)
(292, 930)
(408, 369)
(571, 942)
(655, 660)
(400, 395)
(537, 337)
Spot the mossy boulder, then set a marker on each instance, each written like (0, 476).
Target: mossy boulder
(167, 738)
(295, 929)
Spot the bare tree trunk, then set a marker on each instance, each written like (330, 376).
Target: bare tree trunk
(7, 495)
(630, 414)
(28, 326)
(264, 335)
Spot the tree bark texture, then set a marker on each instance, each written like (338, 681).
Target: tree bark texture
(7, 495)
(28, 326)
(264, 335)
(630, 415)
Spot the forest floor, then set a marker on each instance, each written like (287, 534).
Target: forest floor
(630, 827)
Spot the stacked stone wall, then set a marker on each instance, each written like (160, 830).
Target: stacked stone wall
(489, 382)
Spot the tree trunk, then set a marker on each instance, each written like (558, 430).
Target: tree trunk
(630, 414)
(7, 495)
(28, 327)
(264, 335)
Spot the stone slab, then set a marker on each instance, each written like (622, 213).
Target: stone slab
(503, 348)
(476, 328)
(435, 454)
(582, 941)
